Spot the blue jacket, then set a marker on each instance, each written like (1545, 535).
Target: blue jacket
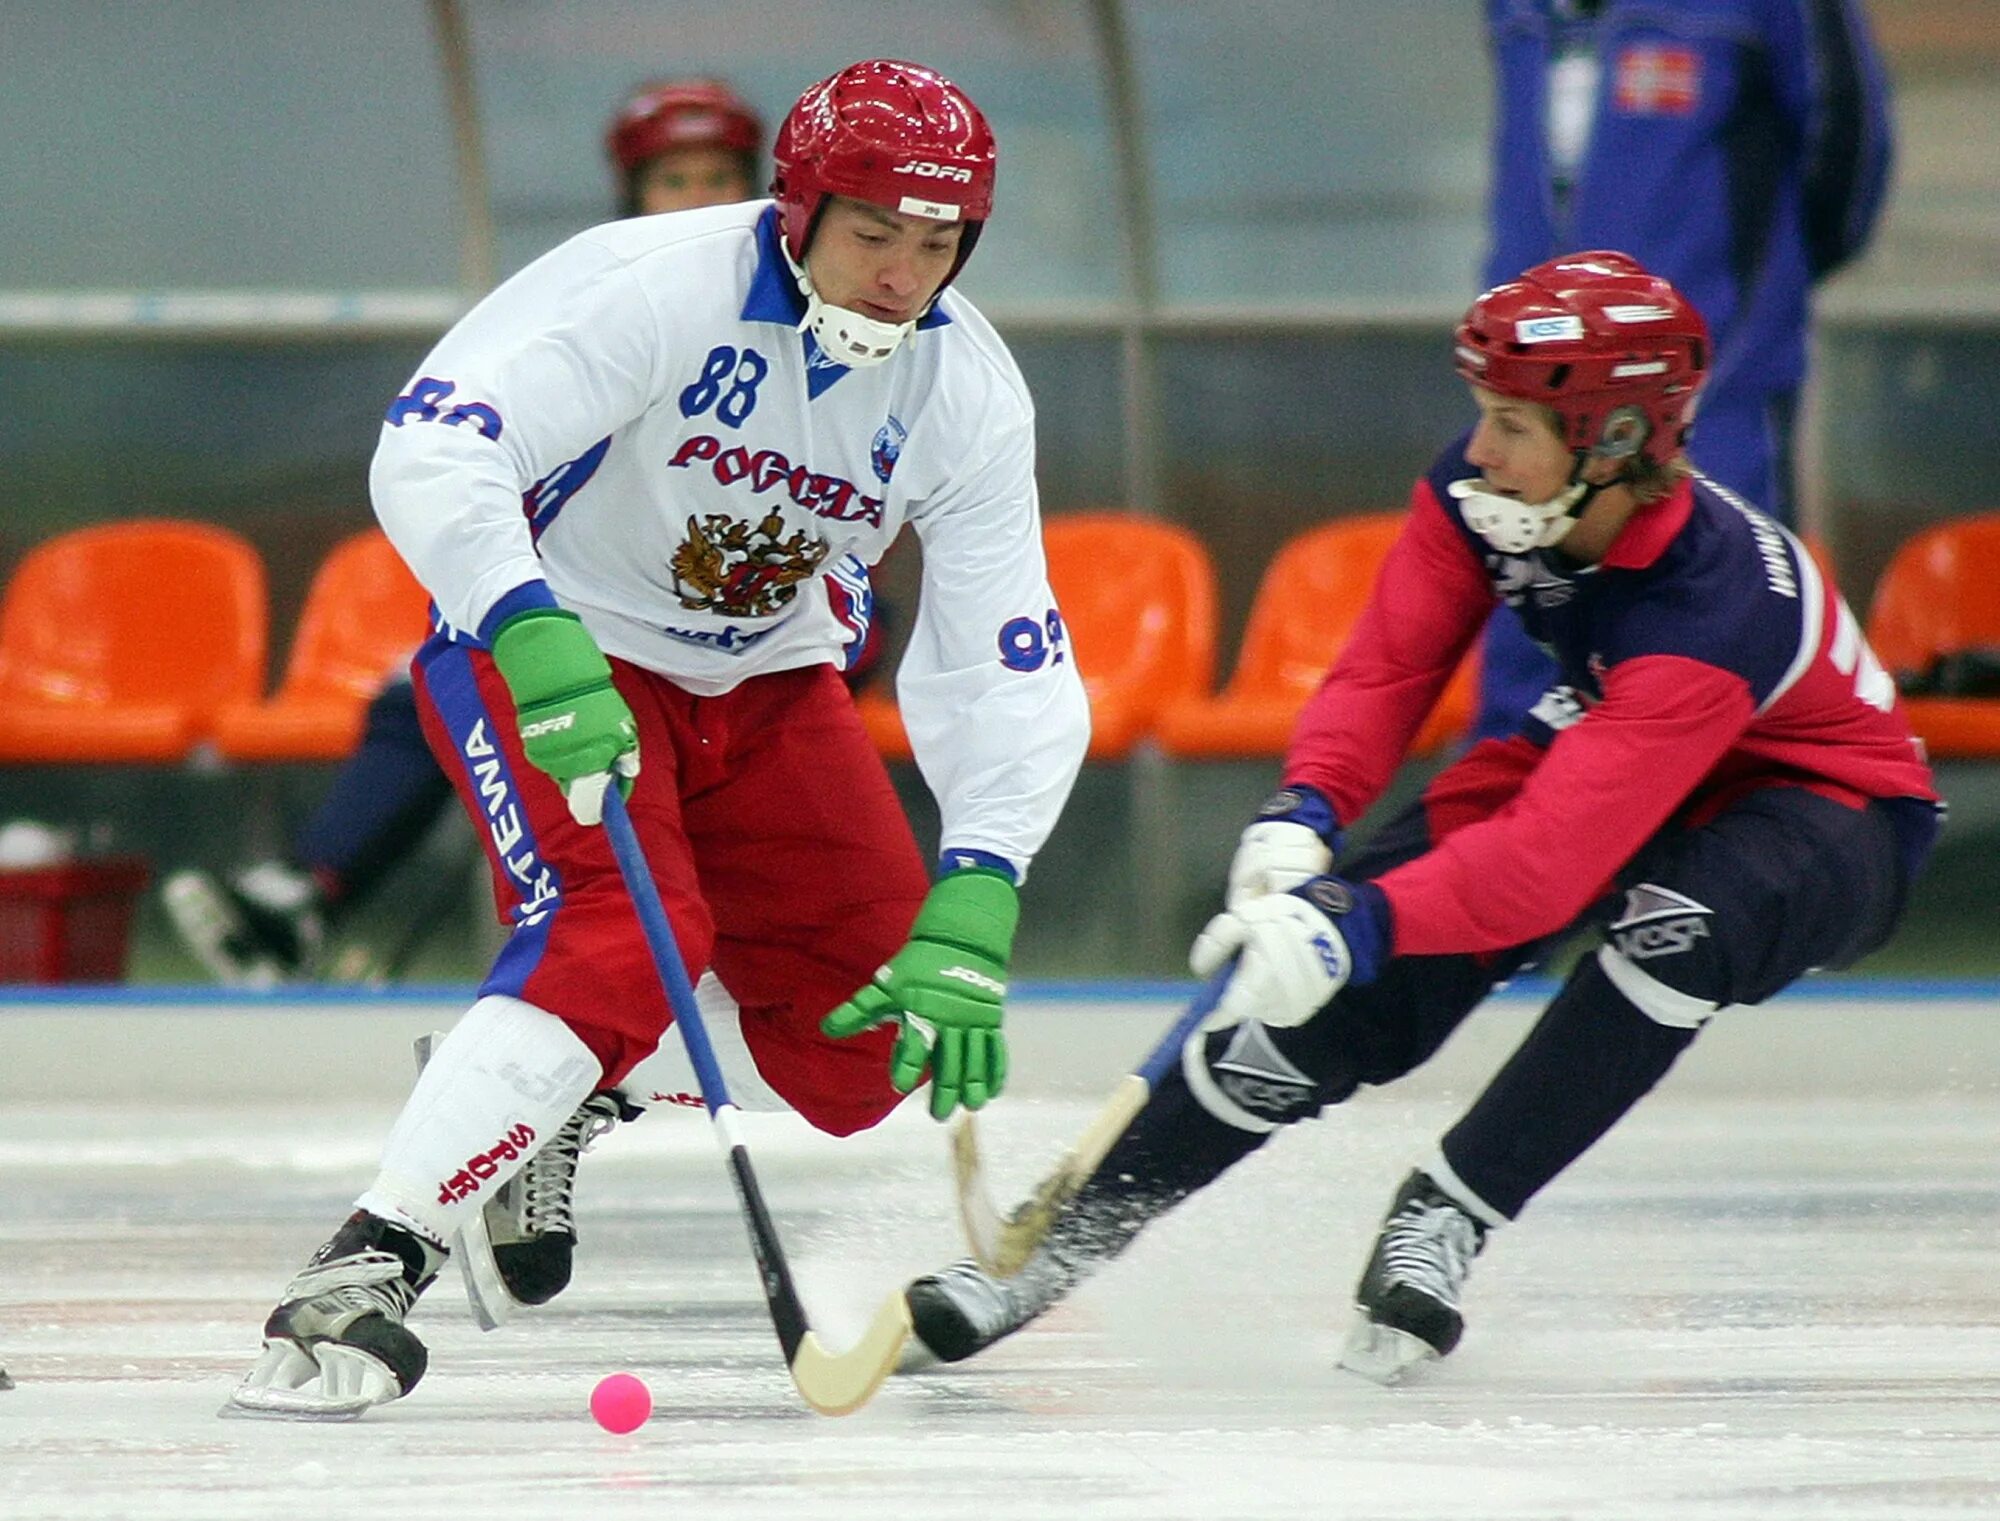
(1739, 147)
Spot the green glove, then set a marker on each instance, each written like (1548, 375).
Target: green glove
(574, 725)
(946, 988)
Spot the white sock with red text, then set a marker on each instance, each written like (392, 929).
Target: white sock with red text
(498, 1086)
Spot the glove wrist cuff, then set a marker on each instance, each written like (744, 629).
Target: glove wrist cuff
(544, 652)
(1297, 803)
(975, 909)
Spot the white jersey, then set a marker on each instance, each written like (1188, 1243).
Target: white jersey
(636, 421)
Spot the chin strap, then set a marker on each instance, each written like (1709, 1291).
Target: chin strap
(1515, 527)
(844, 336)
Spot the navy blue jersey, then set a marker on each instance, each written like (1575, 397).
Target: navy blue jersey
(1705, 654)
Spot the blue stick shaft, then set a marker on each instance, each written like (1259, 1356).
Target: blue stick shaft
(1168, 1051)
(666, 951)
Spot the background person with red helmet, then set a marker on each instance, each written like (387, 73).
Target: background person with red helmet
(679, 144)
(1724, 786)
(707, 414)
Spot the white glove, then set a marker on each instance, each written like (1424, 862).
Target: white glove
(1291, 961)
(1275, 857)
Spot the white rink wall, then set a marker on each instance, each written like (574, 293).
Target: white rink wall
(196, 1046)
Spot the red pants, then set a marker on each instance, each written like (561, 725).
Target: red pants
(778, 844)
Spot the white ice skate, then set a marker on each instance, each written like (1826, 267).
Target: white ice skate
(336, 1344)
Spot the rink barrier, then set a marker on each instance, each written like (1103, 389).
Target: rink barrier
(191, 1045)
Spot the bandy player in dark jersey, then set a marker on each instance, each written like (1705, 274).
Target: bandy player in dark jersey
(1723, 784)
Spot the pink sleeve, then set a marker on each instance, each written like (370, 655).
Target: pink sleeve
(1429, 602)
(1598, 794)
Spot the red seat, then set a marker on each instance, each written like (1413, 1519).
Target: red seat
(1138, 605)
(120, 642)
(363, 615)
(1305, 608)
(1940, 596)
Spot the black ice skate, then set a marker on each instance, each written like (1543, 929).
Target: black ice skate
(963, 1309)
(336, 1343)
(1408, 1296)
(519, 1248)
(260, 928)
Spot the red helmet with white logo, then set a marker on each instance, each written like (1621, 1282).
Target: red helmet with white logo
(1614, 350)
(897, 135)
(681, 113)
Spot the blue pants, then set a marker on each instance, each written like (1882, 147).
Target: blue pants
(1728, 911)
(383, 800)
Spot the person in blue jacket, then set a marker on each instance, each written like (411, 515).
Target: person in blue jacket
(1738, 148)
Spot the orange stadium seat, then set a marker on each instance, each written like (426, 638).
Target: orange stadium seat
(1138, 605)
(364, 614)
(1304, 610)
(119, 643)
(1936, 600)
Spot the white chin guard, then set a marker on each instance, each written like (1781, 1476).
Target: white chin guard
(1512, 526)
(848, 338)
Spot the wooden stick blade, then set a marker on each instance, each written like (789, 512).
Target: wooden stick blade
(977, 1213)
(1002, 1245)
(839, 1383)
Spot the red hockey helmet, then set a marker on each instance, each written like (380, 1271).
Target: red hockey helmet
(681, 113)
(1614, 350)
(897, 135)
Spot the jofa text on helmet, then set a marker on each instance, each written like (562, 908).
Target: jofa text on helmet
(926, 169)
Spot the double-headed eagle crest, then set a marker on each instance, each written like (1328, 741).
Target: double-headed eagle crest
(727, 566)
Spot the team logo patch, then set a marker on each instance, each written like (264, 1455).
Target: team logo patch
(887, 448)
(1657, 921)
(1330, 896)
(1651, 80)
(1257, 1076)
(742, 571)
(1547, 329)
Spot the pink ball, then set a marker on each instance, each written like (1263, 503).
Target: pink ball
(621, 1403)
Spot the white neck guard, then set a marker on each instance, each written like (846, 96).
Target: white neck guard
(846, 337)
(1512, 526)
(849, 338)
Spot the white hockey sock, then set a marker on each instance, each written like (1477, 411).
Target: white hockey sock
(667, 1076)
(499, 1085)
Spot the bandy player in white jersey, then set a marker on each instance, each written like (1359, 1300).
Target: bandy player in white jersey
(628, 478)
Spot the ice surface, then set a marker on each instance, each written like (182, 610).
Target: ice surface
(1733, 1309)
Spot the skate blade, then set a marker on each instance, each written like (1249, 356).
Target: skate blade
(1382, 1354)
(485, 1290)
(281, 1387)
